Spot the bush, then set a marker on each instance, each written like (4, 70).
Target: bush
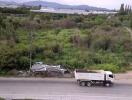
(100, 20)
(107, 28)
(2, 98)
(131, 24)
(12, 72)
(67, 23)
(102, 43)
(108, 67)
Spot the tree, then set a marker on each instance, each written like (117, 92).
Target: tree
(126, 8)
(129, 9)
(122, 10)
(39, 7)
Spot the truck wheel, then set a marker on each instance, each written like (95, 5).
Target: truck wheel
(107, 84)
(78, 81)
(82, 83)
(93, 82)
(89, 84)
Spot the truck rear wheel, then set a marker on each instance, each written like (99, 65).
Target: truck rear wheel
(78, 81)
(82, 83)
(89, 84)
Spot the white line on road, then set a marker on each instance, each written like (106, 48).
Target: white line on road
(66, 97)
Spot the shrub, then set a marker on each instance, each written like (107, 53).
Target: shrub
(67, 23)
(108, 67)
(102, 43)
(107, 28)
(131, 23)
(2, 98)
(100, 20)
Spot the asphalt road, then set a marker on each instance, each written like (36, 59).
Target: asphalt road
(62, 89)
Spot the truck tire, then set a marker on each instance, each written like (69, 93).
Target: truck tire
(89, 84)
(107, 84)
(78, 81)
(82, 83)
(93, 82)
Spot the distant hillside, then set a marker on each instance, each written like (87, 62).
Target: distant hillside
(57, 6)
(52, 5)
(7, 3)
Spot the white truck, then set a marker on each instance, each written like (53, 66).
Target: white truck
(89, 78)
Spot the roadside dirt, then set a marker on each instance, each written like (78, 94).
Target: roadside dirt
(127, 75)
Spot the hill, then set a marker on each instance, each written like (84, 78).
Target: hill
(60, 6)
(2, 3)
(52, 5)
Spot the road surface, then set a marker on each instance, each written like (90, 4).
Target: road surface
(62, 89)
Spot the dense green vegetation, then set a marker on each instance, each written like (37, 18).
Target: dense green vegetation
(76, 41)
(1, 98)
(20, 10)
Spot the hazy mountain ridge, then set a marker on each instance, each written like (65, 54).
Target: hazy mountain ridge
(57, 5)
(8, 3)
(52, 5)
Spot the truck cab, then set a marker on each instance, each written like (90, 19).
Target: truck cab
(109, 77)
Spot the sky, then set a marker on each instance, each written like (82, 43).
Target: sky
(110, 4)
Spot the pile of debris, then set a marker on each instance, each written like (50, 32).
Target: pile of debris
(40, 69)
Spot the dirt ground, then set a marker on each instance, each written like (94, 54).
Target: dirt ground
(127, 75)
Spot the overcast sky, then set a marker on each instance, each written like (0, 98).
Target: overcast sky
(111, 4)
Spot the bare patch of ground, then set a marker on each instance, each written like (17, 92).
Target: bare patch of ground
(127, 75)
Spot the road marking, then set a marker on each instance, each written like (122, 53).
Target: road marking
(65, 97)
